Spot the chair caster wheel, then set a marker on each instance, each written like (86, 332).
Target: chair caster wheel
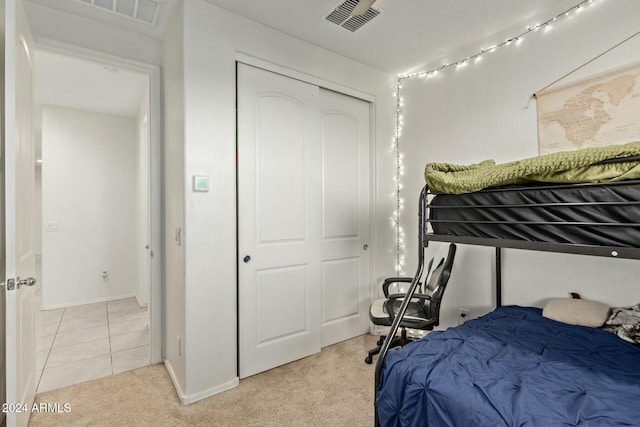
(368, 360)
(380, 341)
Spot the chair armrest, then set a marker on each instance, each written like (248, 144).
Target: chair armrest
(391, 280)
(394, 297)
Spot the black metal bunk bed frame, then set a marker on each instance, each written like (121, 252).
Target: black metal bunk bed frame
(424, 237)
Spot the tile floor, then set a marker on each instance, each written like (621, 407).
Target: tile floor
(86, 342)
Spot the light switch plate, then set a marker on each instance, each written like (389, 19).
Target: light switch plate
(200, 183)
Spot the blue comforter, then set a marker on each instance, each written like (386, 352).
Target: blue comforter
(512, 367)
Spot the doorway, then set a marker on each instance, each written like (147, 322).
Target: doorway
(97, 138)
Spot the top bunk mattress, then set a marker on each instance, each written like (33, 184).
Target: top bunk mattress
(596, 214)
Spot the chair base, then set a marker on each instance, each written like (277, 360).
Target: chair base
(400, 341)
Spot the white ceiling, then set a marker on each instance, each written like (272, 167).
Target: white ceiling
(407, 34)
(86, 85)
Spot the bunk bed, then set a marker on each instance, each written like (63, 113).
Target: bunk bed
(514, 366)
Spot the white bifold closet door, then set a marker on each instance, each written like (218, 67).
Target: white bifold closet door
(303, 218)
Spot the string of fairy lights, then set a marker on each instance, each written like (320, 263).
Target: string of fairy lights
(428, 74)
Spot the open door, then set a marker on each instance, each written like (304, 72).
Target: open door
(18, 218)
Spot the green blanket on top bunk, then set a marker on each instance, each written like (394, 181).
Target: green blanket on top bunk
(562, 167)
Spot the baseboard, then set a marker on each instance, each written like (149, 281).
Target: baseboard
(211, 391)
(139, 303)
(174, 380)
(189, 399)
(92, 301)
(378, 330)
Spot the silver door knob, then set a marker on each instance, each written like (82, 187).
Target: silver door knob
(30, 281)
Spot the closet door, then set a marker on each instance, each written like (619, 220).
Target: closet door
(303, 218)
(279, 207)
(345, 216)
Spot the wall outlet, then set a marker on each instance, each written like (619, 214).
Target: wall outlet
(105, 276)
(463, 315)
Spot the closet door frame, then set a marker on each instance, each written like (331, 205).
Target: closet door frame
(242, 58)
(288, 72)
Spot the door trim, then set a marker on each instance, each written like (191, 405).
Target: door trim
(242, 58)
(156, 302)
(303, 77)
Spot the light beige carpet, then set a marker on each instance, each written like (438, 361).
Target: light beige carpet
(331, 388)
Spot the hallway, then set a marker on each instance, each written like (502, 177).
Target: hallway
(86, 342)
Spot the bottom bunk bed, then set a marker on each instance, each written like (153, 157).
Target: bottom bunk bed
(512, 367)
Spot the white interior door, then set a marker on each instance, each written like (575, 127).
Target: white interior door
(19, 212)
(278, 214)
(345, 216)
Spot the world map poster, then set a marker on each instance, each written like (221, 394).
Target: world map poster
(593, 112)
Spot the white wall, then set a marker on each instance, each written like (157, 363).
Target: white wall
(485, 111)
(38, 226)
(212, 39)
(89, 177)
(142, 195)
(173, 202)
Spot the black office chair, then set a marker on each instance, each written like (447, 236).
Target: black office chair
(423, 312)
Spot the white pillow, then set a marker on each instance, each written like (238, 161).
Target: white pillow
(577, 312)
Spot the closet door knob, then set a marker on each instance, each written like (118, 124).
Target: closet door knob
(246, 259)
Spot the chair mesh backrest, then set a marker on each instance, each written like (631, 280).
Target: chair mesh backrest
(423, 288)
(433, 280)
(437, 282)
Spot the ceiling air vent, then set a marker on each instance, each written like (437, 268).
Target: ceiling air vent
(146, 11)
(341, 15)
